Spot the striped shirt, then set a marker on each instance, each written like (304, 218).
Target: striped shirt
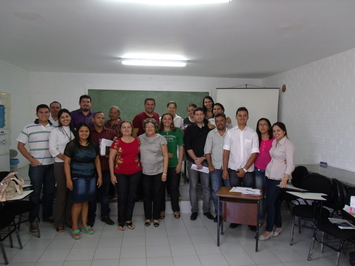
(37, 137)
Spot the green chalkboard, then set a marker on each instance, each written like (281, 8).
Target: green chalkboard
(132, 102)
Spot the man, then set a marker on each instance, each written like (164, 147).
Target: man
(41, 171)
(84, 114)
(100, 132)
(194, 139)
(214, 155)
(240, 149)
(54, 108)
(149, 107)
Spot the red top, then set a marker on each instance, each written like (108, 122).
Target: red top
(127, 160)
(106, 133)
(138, 121)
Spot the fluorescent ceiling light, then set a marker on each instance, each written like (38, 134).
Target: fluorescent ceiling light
(176, 2)
(153, 62)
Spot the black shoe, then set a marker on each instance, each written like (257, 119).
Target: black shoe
(208, 215)
(91, 222)
(193, 216)
(107, 220)
(252, 228)
(232, 225)
(33, 228)
(49, 219)
(216, 219)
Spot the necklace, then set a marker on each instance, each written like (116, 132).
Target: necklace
(66, 134)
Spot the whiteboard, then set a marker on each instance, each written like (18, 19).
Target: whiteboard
(260, 102)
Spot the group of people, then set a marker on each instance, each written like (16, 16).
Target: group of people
(145, 158)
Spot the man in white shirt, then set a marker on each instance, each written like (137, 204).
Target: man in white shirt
(41, 171)
(240, 149)
(54, 108)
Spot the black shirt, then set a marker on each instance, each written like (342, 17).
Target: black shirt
(195, 139)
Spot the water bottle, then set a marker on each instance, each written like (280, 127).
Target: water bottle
(2, 115)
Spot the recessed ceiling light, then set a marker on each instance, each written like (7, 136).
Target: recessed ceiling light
(175, 2)
(153, 62)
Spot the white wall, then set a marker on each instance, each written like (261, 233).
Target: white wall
(318, 109)
(15, 80)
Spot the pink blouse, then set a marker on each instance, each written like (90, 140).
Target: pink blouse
(264, 156)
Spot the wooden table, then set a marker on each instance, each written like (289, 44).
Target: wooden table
(238, 208)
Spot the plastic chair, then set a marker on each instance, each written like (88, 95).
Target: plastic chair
(327, 228)
(7, 220)
(303, 215)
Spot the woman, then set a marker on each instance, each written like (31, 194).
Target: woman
(218, 108)
(175, 142)
(178, 121)
(58, 139)
(190, 111)
(154, 159)
(208, 104)
(115, 121)
(278, 172)
(126, 172)
(264, 131)
(82, 166)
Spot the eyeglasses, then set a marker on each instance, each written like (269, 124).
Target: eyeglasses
(263, 125)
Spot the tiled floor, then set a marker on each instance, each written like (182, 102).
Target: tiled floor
(175, 242)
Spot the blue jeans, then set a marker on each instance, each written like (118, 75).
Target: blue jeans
(216, 184)
(273, 204)
(42, 175)
(247, 181)
(103, 194)
(260, 183)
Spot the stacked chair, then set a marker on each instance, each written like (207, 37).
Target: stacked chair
(330, 233)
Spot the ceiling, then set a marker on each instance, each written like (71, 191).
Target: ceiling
(240, 39)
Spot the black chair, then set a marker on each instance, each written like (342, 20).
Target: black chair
(7, 220)
(19, 207)
(303, 212)
(298, 174)
(328, 229)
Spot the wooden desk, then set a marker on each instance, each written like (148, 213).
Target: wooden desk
(238, 208)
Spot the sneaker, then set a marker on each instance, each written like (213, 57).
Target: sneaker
(193, 216)
(233, 225)
(106, 220)
(33, 228)
(209, 215)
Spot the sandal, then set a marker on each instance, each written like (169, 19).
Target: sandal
(130, 225)
(76, 234)
(147, 223)
(176, 215)
(87, 230)
(162, 215)
(121, 227)
(60, 229)
(156, 223)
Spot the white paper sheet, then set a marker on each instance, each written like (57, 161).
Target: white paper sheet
(204, 169)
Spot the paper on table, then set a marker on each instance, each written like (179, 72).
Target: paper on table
(246, 190)
(204, 169)
(105, 145)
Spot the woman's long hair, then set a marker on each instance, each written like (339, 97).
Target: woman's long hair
(269, 131)
(172, 126)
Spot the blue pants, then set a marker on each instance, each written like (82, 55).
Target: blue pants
(260, 183)
(216, 184)
(103, 194)
(273, 205)
(42, 175)
(247, 181)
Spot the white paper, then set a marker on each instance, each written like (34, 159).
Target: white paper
(103, 144)
(246, 190)
(204, 169)
(352, 201)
